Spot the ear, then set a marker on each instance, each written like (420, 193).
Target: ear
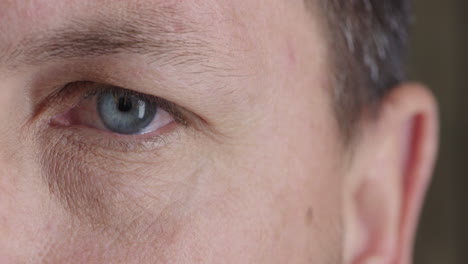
(391, 168)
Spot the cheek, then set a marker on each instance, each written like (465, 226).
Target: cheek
(113, 207)
(271, 203)
(289, 172)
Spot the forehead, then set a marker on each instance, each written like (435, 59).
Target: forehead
(252, 32)
(159, 25)
(19, 13)
(223, 18)
(219, 22)
(48, 12)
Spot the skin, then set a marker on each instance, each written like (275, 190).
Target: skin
(260, 175)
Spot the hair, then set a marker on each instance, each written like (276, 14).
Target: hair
(368, 42)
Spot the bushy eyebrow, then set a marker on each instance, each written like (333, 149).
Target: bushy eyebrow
(162, 35)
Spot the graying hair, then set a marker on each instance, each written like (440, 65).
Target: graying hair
(368, 42)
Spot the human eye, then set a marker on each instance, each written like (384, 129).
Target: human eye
(117, 113)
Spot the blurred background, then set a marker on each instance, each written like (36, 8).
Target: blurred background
(439, 58)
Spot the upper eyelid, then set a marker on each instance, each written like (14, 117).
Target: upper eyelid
(166, 105)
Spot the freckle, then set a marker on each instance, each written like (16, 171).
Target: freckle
(309, 216)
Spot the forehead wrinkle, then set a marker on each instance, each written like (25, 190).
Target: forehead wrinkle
(162, 34)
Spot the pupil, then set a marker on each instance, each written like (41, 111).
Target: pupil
(125, 104)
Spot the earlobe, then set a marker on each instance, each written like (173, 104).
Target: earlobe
(389, 176)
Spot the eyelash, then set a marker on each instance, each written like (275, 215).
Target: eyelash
(94, 89)
(116, 90)
(74, 93)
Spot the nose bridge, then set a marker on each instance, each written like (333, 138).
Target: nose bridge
(16, 145)
(8, 166)
(5, 125)
(9, 122)
(11, 141)
(20, 189)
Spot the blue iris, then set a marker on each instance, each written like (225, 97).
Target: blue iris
(125, 113)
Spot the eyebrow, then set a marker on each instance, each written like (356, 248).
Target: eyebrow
(160, 35)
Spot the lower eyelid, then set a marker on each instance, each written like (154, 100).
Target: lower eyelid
(93, 140)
